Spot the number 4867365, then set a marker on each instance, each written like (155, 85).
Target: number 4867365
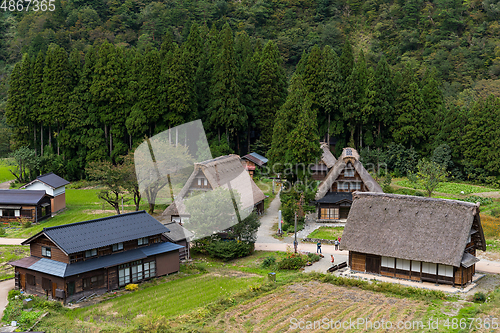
(26, 5)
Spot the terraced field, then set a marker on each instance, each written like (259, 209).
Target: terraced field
(315, 301)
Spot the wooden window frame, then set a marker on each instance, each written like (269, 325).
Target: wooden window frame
(119, 247)
(47, 254)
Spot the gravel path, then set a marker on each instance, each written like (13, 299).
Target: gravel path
(5, 185)
(5, 287)
(270, 217)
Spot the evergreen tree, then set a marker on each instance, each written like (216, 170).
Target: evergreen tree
(330, 95)
(312, 78)
(346, 61)
(380, 95)
(226, 111)
(433, 102)
(16, 112)
(410, 125)
(272, 91)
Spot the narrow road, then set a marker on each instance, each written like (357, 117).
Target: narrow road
(270, 217)
(5, 287)
(11, 241)
(5, 185)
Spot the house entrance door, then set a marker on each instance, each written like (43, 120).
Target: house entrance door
(71, 288)
(373, 264)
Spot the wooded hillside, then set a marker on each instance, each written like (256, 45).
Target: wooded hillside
(90, 80)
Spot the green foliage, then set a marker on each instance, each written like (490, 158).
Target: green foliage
(268, 262)
(482, 200)
(430, 174)
(479, 297)
(292, 262)
(229, 249)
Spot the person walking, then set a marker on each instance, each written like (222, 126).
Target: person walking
(336, 245)
(318, 247)
(333, 259)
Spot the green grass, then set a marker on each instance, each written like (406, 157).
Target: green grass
(11, 253)
(5, 174)
(449, 188)
(330, 233)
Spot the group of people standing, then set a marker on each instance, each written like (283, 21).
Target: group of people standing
(336, 243)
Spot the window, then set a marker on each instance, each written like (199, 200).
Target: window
(26, 213)
(343, 186)
(149, 269)
(205, 183)
(348, 152)
(445, 270)
(90, 253)
(124, 276)
(199, 181)
(143, 241)
(46, 252)
(330, 213)
(137, 272)
(356, 186)
(8, 212)
(30, 279)
(349, 173)
(118, 247)
(428, 268)
(387, 262)
(403, 264)
(415, 266)
(93, 282)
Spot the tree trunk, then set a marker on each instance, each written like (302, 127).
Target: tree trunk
(130, 141)
(238, 143)
(248, 138)
(360, 136)
(41, 139)
(151, 208)
(218, 133)
(328, 133)
(34, 138)
(59, 131)
(169, 136)
(227, 136)
(110, 142)
(50, 136)
(176, 136)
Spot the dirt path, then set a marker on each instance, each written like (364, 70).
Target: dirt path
(5, 287)
(270, 217)
(5, 185)
(11, 241)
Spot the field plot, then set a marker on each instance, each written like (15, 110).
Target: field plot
(449, 188)
(331, 233)
(313, 301)
(11, 253)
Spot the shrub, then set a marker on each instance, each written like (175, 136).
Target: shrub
(268, 262)
(227, 250)
(26, 224)
(2, 231)
(481, 200)
(479, 297)
(132, 287)
(292, 262)
(313, 257)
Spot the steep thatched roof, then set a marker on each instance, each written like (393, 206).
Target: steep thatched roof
(221, 171)
(411, 228)
(352, 156)
(327, 156)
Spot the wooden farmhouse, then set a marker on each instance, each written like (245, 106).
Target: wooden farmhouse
(334, 196)
(181, 236)
(414, 238)
(54, 186)
(33, 206)
(320, 170)
(75, 260)
(211, 174)
(252, 161)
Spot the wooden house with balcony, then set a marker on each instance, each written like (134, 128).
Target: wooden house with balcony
(53, 185)
(223, 171)
(334, 196)
(33, 206)
(75, 260)
(320, 170)
(413, 238)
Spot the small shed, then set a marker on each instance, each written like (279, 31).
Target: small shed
(54, 186)
(253, 160)
(180, 236)
(31, 205)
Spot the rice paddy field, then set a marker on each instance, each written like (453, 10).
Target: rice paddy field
(5, 174)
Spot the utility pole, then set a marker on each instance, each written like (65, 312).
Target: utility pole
(295, 243)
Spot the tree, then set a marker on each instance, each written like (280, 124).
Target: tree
(112, 178)
(430, 174)
(272, 91)
(226, 111)
(130, 183)
(26, 164)
(246, 230)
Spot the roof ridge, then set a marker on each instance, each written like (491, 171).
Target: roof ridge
(94, 220)
(46, 174)
(414, 197)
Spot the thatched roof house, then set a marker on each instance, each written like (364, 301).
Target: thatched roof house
(417, 238)
(346, 176)
(320, 170)
(225, 171)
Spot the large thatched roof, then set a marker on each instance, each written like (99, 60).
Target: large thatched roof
(221, 171)
(411, 228)
(327, 156)
(352, 156)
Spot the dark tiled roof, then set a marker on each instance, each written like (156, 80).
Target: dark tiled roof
(177, 232)
(256, 158)
(52, 180)
(61, 269)
(334, 197)
(21, 197)
(82, 236)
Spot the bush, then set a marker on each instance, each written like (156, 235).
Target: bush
(2, 231)
(268, 262)
(227, 250)
(26, 224)
(479, 297)
(313, 257)
(132, 287)
(292, 262)
(481, 200)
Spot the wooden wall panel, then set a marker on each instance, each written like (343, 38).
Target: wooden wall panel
(358, 261)
(167, 263)
(56, 254)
